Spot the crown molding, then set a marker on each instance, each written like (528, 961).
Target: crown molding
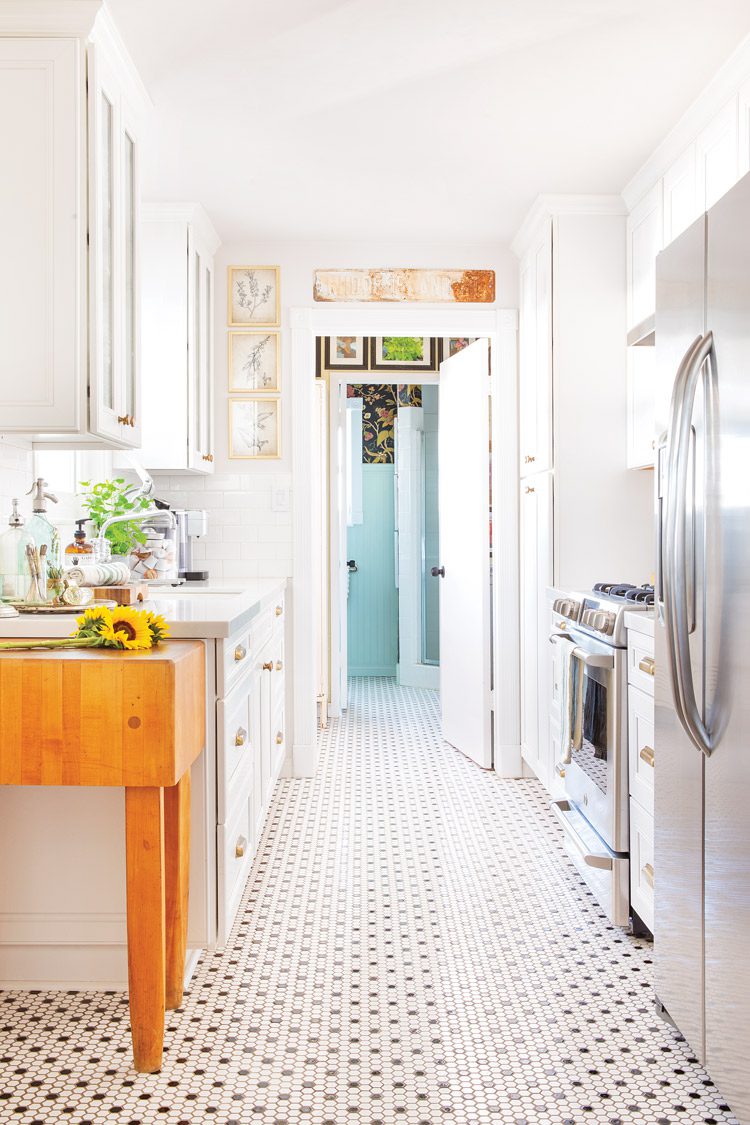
(182, 211)
(106, 38)
(51, 18)
(545, 206)
(724, 86)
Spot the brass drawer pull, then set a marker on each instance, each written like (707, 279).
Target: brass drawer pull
(529, 488)
(279, 611)
(123, 419)
(279, 738)
(648, 874)
(240, 847)
(279, 665)
(529, 458)
(241, 737)
(268, 666)
(240, 653)
(559, 769)
(647, 665)
(646, 754)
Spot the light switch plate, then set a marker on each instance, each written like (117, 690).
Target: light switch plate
(280, 500)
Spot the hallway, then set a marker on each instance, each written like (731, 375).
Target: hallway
(414, 947)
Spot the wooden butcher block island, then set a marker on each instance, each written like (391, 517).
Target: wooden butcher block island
(94, 717)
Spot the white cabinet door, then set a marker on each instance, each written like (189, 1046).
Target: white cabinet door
(113, 259)
(535, 369)
(42, 234)
(641, 407)
(645, 240)
(681, 206)
(716, 156)
(465, 599)
(200, 355)
(536, 576)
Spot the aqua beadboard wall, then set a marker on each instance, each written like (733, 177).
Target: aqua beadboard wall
(373, 598)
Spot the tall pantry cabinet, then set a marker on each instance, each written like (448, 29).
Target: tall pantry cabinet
(583, 517)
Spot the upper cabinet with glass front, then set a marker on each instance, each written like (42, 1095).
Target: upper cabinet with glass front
(72, 110)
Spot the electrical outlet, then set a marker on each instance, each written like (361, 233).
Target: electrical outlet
(280, 500)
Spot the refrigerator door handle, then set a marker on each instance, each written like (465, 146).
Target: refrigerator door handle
(677, 583)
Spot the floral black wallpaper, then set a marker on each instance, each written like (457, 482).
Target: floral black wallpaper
(380, 401)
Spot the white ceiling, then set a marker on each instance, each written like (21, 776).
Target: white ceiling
(419, 118)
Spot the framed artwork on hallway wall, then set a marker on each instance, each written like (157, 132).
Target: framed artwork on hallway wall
(403, 353)
(253, 296)
(254, 362)
(254, 428)
(345, 353)
(451, 345)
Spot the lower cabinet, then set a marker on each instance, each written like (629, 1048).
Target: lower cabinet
(536, 576)
(641, 766)
(250, 750)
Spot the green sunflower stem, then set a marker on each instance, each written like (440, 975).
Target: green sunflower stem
(61, 642)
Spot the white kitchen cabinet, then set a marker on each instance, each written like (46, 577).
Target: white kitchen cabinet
(641, 390)
(681, 206)
(71, 114)
(645, 233)
(716, 156)
(536, 502)
(178, 247)
(535, 355)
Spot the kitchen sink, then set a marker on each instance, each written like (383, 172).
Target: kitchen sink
(157, 592)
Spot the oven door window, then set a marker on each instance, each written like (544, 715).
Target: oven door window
(594, 752)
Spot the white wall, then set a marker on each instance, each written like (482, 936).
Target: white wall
(247, 538)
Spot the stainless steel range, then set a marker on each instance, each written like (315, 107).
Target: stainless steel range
(590, 677)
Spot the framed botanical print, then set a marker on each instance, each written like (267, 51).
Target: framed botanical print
(345, 353)
(254, 362)
(254, 296)
(450, 345)
(254, 428)
(403, 353)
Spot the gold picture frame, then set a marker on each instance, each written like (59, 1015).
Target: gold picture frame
(253, 296)
(254, 362)
(254, 425)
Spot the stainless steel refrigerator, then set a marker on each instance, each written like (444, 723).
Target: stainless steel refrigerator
(702, 761)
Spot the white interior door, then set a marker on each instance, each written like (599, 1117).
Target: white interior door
(465, 599)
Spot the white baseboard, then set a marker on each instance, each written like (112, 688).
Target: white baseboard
(508, 762)
(305, 759)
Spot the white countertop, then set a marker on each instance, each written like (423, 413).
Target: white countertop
(217, 611)
(641, 622)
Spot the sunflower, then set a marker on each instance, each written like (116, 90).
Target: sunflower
(129, 627)
(157, 626)
(92, 620)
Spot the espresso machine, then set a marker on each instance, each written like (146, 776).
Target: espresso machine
(192, 523)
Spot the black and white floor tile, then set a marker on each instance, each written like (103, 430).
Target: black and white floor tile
(414, 947)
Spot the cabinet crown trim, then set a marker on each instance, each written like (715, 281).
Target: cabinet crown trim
(50, 18)
(179, 211)
(545, 206)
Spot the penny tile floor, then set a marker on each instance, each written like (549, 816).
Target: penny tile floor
(413, 947)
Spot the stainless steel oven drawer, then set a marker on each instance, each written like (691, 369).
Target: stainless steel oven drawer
(605, 872)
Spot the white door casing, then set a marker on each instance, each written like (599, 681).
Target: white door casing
(465, 596)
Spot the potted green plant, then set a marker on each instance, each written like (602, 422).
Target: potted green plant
(109, 498)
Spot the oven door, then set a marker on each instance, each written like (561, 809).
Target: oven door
(596, 778)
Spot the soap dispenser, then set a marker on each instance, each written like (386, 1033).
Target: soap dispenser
(80, 545)
(39, 529)
(13, 565)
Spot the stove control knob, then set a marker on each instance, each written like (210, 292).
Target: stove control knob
(604, 622)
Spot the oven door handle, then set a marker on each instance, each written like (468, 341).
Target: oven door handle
(590, 659)
(591, 859)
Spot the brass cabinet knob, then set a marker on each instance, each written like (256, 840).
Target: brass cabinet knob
(530, 488)
(240, 847)
(268, 667)
(241, 737)
(132, 421)
(279, 738)
(279, 665)
(240, 653)
(648, 873)
(279, 611)
(646, 754)
(647, 665)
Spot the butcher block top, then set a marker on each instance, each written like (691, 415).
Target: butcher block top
(101, 716)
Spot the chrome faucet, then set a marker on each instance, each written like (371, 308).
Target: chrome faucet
(102, 551)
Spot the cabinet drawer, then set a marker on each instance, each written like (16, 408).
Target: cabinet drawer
(242, 650)
(235, 744)
(642, 863)
(235, 850)
(641, 666)
(641, 747)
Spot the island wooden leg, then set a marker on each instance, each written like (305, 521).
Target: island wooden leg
(144, 847)
(177, 861)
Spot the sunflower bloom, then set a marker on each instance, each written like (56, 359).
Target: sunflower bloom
(129, 627)
(91, 620)
(157, 626)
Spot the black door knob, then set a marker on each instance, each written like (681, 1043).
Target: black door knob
(438, 572)
(352, 564)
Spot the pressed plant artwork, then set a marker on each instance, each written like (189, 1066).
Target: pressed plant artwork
(253, 295)
(254, 361)
(254, 428)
